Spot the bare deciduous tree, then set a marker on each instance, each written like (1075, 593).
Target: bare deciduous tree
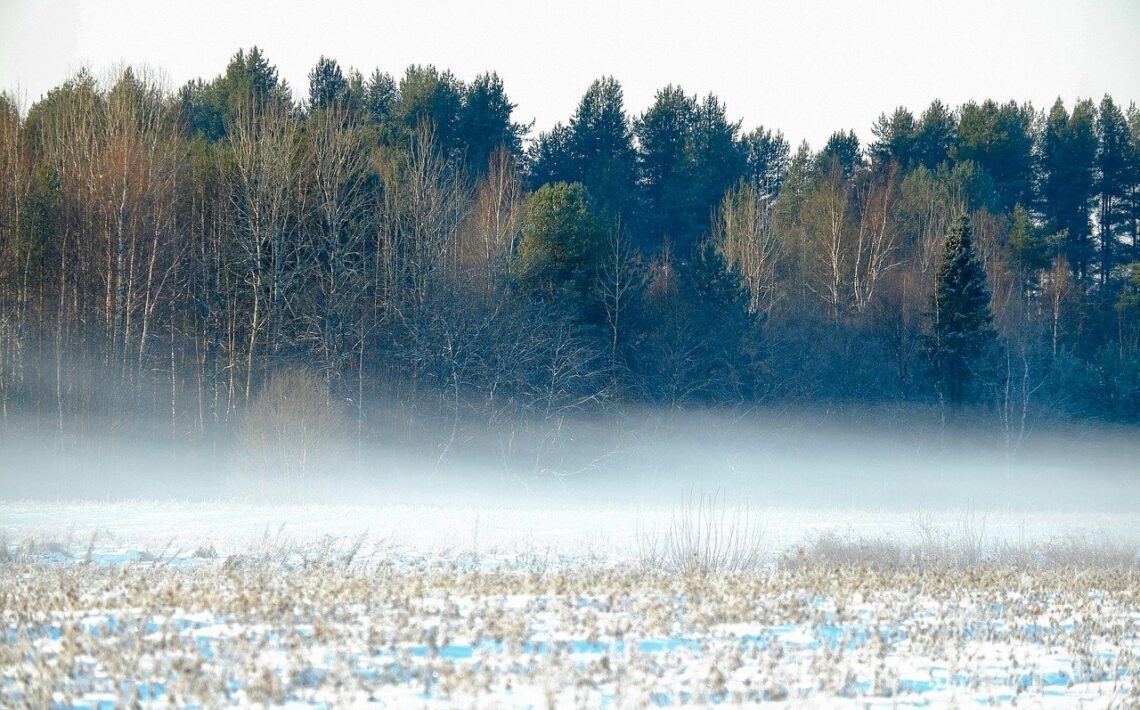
(265, 146)
(140, 165)
(826, 216)
(489, 236)
(619, 279)
(744, 233)
(334, 249)
(877, 237)
(14, 268)
(1060, 294)
(423, 202)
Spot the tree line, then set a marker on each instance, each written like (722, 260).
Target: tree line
(164, 253)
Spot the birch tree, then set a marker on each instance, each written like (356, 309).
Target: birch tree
(265, 147)
(743, 231)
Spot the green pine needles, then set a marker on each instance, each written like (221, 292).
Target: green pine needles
(963, 329)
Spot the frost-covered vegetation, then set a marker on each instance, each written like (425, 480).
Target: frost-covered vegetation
(836, 621)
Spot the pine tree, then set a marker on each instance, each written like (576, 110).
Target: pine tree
(935, 135)
(689, 153)
(715, 159)
(601, 146)
(963, 324)
(1068, 181)
(485, 122)
(561, 239)
(1030, 251)
(767, 157)
(326, 84)
(1112, 169)
(843, 147)
(380, 95)
(550, 160)
(895, 138)
(429, 97)
(1000, 139)
(662, 132)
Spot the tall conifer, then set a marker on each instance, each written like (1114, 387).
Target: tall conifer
(963, 323)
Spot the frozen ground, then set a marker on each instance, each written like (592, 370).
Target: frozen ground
(169, 604)
(601, 533)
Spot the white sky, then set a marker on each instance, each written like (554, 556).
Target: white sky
(807, 67)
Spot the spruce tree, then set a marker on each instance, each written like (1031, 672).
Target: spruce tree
(963, 324)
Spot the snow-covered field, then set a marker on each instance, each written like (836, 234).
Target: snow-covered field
(610, 534)
(169, 603)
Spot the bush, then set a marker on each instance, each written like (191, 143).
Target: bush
(704, 538)
(286, 432)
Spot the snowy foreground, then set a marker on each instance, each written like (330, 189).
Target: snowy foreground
(212, 604)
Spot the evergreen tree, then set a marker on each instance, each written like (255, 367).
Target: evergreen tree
(327, 84)
(1068, 162)
(379, 97)
(1132, 193)
(485, 122)
(561, 240)
(894, 138)
(726, 336)
(427, 96)
(252, 74)
(1029, 250)
(205, 108)
(1112, 162)
(662, 133)
(549, 158)
(842, 146)
(935, 136)
(1000, 139)
(601, 146)
(689, 155)
(702, 343)
(716, 162)
(963, 323)
(40, 223)
(767, 157)
(595, 149)
(715, 284)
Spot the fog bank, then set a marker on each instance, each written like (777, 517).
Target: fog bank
(638, 459)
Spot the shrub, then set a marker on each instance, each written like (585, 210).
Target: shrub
(285, 432)
(704, 538)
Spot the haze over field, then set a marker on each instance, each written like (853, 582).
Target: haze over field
(768, 458)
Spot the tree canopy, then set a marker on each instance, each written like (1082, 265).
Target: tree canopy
(406, 236)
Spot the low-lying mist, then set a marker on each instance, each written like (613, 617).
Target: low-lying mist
(646, 459)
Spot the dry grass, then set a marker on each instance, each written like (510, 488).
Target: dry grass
(344, 621)
(264, 629)
(962, 549)
(961, 546)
